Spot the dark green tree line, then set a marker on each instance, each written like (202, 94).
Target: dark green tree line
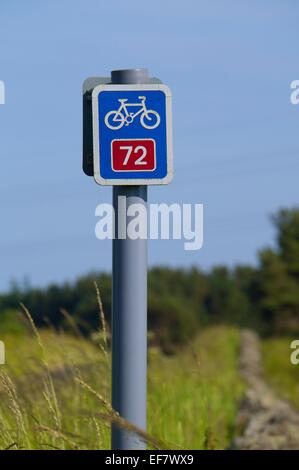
(180, 301)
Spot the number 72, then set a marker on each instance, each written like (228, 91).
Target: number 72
(140, 148)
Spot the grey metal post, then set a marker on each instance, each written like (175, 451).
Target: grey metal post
(129, 308)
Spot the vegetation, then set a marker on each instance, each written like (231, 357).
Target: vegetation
(181, 302)
(279, 371)
(194, 398)
(55, 393)
(55, 387)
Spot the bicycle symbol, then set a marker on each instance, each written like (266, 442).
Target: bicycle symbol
(116, 119)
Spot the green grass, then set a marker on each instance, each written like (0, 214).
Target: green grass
(55, 392)
(279, 371)
(193, 398)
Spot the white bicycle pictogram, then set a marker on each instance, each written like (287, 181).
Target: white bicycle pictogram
(116, 119)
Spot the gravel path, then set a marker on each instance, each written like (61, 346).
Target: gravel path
(265, 421)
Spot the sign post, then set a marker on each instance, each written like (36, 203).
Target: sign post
(132, 148)
(129, 310)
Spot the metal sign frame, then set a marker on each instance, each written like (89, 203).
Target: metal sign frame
(96, 136)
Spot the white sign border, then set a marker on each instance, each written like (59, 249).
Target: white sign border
(96, 136)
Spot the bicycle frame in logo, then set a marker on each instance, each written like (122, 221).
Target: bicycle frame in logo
(116, 119)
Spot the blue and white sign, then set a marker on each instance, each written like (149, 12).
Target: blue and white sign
(132, 134)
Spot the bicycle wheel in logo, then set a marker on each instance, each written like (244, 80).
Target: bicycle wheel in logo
(114, 120)
(150, 120)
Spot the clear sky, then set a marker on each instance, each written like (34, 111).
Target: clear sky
(229, 65)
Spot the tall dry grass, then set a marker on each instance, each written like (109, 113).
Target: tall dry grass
(55, 391)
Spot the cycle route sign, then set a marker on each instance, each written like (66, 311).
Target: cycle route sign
(132, 134)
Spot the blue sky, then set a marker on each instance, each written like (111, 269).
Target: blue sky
(229, 65)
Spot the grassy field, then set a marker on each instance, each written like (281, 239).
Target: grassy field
(279, 371)
(55, 391)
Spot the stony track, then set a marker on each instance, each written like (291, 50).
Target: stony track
(265, 421)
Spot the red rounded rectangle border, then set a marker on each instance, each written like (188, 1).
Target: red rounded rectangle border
(133, 155)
